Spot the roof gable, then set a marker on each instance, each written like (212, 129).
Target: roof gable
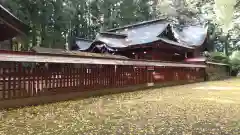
(83, 44)
(144, 34)
(152, 31)
(137, 34)
(11, 24)
(168, 34)
(191, 35)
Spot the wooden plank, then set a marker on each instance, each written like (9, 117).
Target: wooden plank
(14, 76)
(82, 77)
(4, 90)
(18, 81)
(34, 81)
(43, 79)
(24, 82)
(65, 76)
(72, 76)
(9, 81)
(75, 77)
(29, 83)
(91, 78)
(81, 60)
(105, 83)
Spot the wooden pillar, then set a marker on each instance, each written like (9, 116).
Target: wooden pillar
(11, 44)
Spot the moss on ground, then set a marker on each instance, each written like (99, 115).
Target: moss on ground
(175, 110)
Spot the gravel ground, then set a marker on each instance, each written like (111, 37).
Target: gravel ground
(199, 109)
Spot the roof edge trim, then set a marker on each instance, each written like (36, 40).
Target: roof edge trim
(83, 39)
(117, 35)
(136, 24)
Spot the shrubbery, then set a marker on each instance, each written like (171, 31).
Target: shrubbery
(235, 62)
(218, 57)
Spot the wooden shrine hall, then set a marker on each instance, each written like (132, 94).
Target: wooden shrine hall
(10, 27)
(151, 40)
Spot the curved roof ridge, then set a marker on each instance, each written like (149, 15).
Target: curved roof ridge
(137, 24)
(11, 20)
(83, 39)
(179, 35)
(7, 11)
(120, 35)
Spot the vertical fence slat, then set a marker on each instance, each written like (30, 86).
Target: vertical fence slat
(72, 76)
(9, 81)
(14, 84)
(35, 82)
(4, 88)
(20, 86)
(81, 78)
(29, 82)
(77, 77)
(18, 82)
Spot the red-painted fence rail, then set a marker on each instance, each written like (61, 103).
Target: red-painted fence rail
(22, 79)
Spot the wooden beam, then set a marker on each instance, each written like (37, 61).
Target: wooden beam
(87, 60)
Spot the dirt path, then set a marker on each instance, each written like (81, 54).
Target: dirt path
(203, 108)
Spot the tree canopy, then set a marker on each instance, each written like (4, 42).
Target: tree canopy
(55, 23)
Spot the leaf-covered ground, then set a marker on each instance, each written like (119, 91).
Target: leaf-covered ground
(203, 108)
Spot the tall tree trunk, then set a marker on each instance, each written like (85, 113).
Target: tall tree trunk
(154, 6)
(226, 51)
(43, 36)
(11, 45)
(34, 36)
(211, 38)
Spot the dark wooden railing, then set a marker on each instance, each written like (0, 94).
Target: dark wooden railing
(20, 79)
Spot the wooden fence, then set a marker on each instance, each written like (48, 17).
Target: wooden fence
(217, 71)
(22, 79)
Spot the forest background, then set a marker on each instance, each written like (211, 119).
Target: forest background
(55, 23)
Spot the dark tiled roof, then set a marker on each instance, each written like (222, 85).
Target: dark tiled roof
(43, 50)
(11, 24)
(113, 34)
(152, 31)
(175, 43)
(112, 41)
(191, 35)
(83, 44)
(140, 34)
